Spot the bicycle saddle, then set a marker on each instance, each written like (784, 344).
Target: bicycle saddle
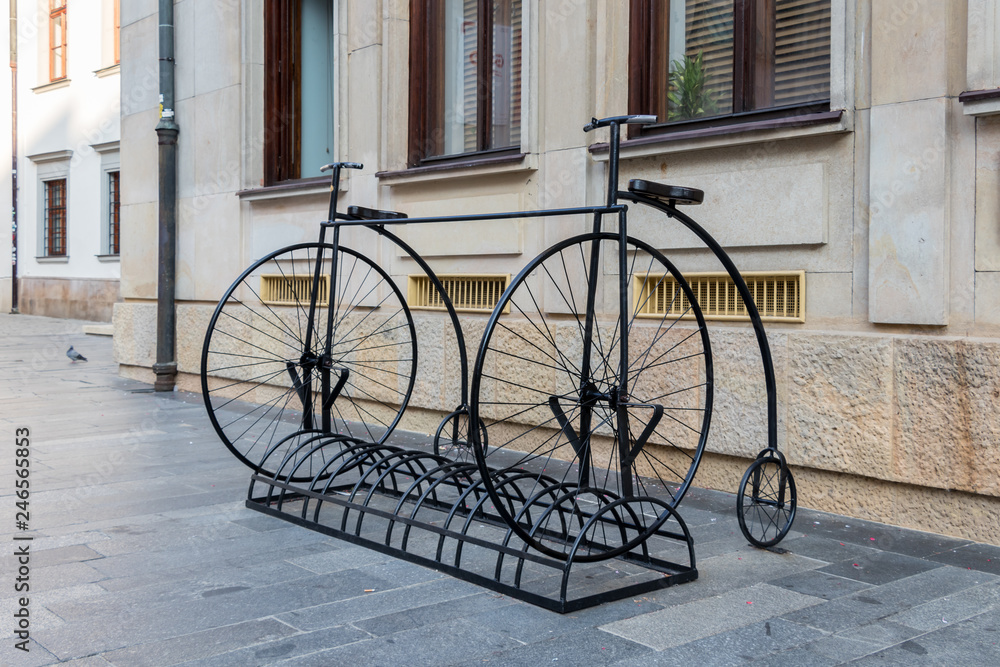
(364, 213)
(675, 195)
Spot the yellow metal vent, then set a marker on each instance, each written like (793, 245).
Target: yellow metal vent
(476, 293)
(779, 296)
(283, 290)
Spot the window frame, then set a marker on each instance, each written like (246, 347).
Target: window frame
(648, 65)
(47, 234)
(57, 10)
(112, 218)
(110, 163)
(426, 87)
(283, 110)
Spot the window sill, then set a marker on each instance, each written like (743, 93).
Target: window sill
(980, 102)
(299, 188)
(828, 122)
(45, 87)
(56, 259)
(108, 71)
(518, 162)
(108, 258)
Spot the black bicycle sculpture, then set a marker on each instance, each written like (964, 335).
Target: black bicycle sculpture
(591, 396)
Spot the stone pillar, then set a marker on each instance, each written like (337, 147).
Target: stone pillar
(918, 58)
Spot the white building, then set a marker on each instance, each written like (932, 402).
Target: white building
(68, 129)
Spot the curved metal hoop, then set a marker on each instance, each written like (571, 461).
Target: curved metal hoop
(744, 292)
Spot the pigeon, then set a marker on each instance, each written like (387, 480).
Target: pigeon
(74, 355)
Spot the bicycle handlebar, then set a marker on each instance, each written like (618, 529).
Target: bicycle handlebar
(344, 165)
(634, 119)
(335, 182)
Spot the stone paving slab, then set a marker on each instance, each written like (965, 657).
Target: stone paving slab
(974, 641)
(734, 647)
(199, 644)
(144, 554)
(678, 625)
(878, 602)
(278, 651)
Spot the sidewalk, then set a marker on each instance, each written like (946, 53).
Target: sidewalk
(143, 554)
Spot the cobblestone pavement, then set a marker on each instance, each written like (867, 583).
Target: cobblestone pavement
(144, 554)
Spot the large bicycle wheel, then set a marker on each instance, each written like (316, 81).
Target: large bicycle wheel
(548, 389)
(272, 377)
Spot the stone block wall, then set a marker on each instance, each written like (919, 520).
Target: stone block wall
(74, 298)
(900, 429)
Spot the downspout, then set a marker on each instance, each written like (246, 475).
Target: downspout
(165, 367)
(13, 155)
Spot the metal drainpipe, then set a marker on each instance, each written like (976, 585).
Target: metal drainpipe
(13, 155)
(166, 132)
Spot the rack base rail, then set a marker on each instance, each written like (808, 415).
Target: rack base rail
(434, 511)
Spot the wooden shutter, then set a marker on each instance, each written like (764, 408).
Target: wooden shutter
(802, 51)
(709, 29)
(470, 72)
(515, 98)
(282, 138)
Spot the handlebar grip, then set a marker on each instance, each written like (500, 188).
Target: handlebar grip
(641, 120)
(633, 119)
(343, 165)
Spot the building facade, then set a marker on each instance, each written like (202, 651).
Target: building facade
(68, 118)
(850, 146)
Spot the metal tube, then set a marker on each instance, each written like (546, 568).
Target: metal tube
(13, 155)
(166, 133)
(344, 221)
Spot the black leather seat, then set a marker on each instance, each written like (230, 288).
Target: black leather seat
(364, 213)
(675, 195)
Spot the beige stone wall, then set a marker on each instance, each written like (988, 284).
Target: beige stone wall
(886, 393)
(5, 295)
(73, 298)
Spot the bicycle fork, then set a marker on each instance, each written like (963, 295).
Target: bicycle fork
(618, 397)
(322, 363)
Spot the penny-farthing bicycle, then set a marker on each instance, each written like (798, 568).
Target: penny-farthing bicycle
(591, 393)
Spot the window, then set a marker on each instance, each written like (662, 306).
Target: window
(728, 60)
(461, 103)
(54, 218)
(298, 88)
(57, 40)
(114, 213)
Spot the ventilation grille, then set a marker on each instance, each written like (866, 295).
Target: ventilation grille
(780, 297)
(477, 293)
(282, 290)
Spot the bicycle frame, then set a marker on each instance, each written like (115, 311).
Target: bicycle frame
(581, 487)
(619, 398)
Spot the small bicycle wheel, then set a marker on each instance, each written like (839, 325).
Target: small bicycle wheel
(452, 437)
(263, 384)
(765, 503)
(548, 389)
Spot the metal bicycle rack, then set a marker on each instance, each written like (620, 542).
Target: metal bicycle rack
(432, 510)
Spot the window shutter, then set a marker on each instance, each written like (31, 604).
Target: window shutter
(470, 30)
(802, 51)
(515, 66)
(709, 29)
